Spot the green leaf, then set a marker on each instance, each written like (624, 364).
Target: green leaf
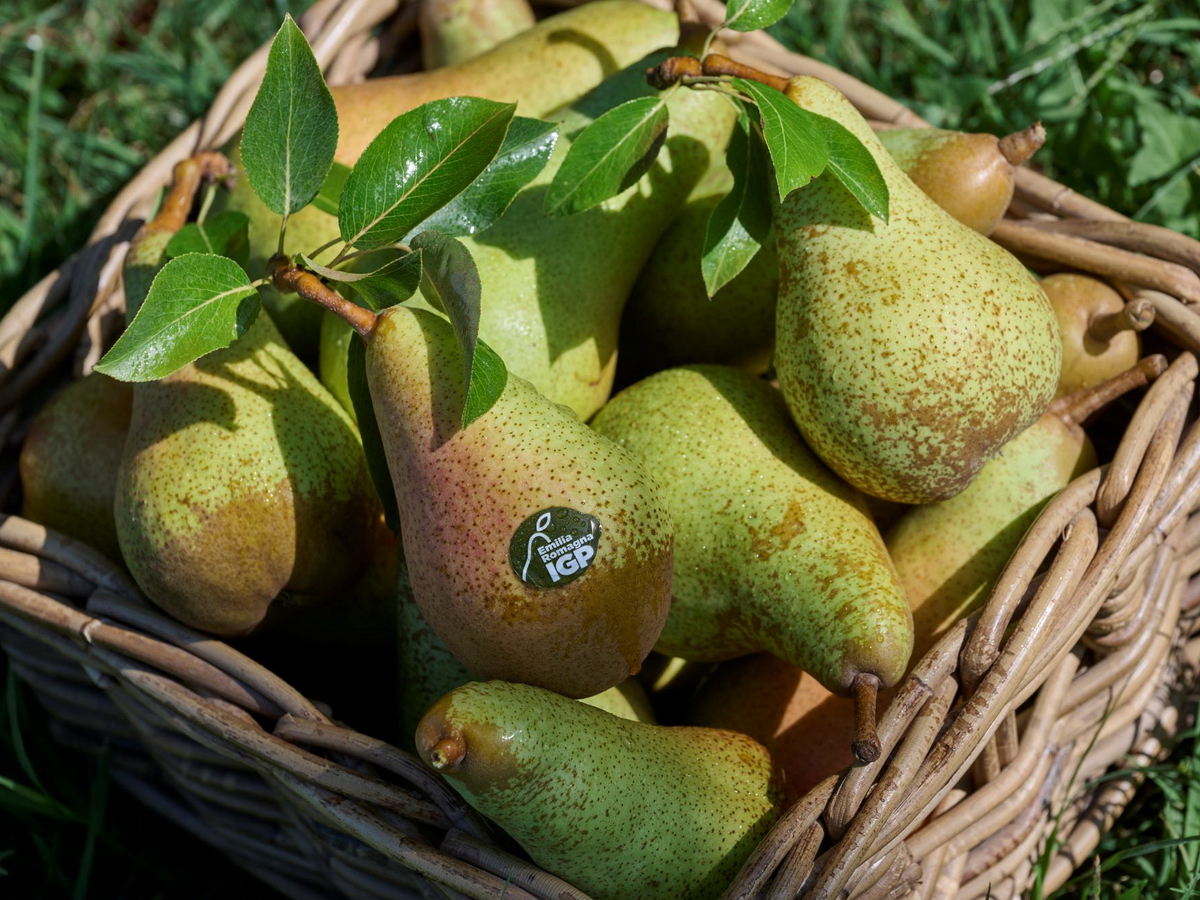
(795, 139)
(331, 191)
(751, 15)
(417, 164)
(368, 428)
(855, 167)
(524, 154)
(1168, 141)
(225, 234)
(608, 156)
(391, 283)
(291, 131)
(451, 281)
(740, 223)
(198, 303)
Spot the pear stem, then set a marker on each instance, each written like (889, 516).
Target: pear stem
(865, 691)
(1074, 409)
(288, 279)
(187, 175)
(1136, 315)
(1019, 146)
(716, 64)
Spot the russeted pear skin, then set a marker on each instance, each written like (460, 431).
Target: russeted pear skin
(908, 352)
(70, 457)
(541, 69)
(617, 808)
(241, 479)
(464, 492)
(949, 554)
(772, 550)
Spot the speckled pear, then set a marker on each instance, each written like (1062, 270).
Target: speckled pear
(910, 351)
(772, 550)
(541, 69)
(949, 554)
(569, 612)
(241, 478)
(617, 808)
(69, 460)
(455, 31)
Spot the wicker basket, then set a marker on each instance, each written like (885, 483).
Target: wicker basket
(1082, 659)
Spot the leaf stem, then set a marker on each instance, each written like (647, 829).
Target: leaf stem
(288, 279)
(399, 245)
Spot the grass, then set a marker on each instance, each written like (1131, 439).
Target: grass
(90, 89)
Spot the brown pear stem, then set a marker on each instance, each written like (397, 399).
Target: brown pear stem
(1136, 315)
(672, 71)
(865, 691)
(1074, 409)
(716, 64)
(187, 176)
(1019, 146)
(290, 280)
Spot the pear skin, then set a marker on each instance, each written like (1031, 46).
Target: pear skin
(70, 457)
(554, 288)
(1100, 332)
(474, 501)
(670, 320)
(617, 808)
(241, 478)
(456, 31)
(772, 550)
(969, 175)
(334, 360)
(541, 69)
(806, 729)
(949, 554)
(910, 351)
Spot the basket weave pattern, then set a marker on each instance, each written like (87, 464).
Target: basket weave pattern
(1083, 659)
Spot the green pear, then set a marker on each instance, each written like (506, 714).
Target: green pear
(554, 288)
(909, 352)
(670, 320)
(949, 554)
(617, 808)
(541, 69)
(538, 550)
(1100, 331)
(334, 360)
(241, 479)
(772, 551)
(969, 175)
(70, 457)
(456, 31)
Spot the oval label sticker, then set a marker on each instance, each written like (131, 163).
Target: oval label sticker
(554, 546)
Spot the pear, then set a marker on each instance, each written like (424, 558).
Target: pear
(455, 31)
(910, 351)
(334, 360)
(949, 554)
(554, 288)
(541, 69)
(669, 319)
(241, 479)
(70, 457)
(538, 550)
(617, 808)
(969, 175)
(1100, 332)
(806, 729)
(772, 551)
